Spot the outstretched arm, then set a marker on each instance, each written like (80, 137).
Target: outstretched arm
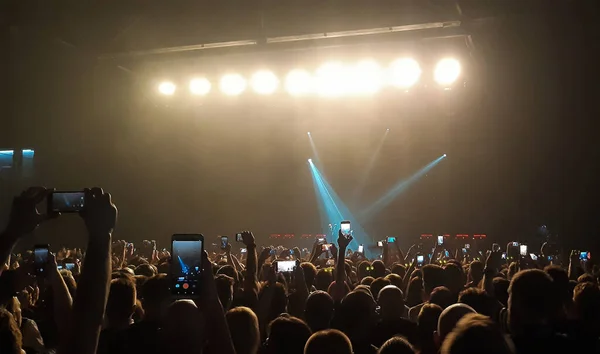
(251, 279)
(62, 298)
(100, 216)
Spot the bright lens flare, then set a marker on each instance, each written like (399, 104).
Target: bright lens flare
(298, 82)
(200, 86)
(264, 82)
(331, 79)
(232, 84)
(364, 78)
(446, 71)
(167, 88)
(404, 73)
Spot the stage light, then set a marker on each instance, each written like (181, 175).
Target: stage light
(404, 73)
(167, 88)
(309, 160)
(264, 82)
(232, 84)
(446, 71)
(200, 86)
(444, 155)
(364, 78)
(308, 133)
(331, 79)
(298, 82)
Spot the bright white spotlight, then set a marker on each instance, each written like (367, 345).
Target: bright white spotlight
(308, 133)
(298, 82)
(446, 71)
(264, 82)
(309, 160)
(404, 73)
(200, 86)
(167, 88)
(364, 78)
(331, 79)
(232, 84)
(444, 155)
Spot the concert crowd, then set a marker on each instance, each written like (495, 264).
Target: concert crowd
(115, 297)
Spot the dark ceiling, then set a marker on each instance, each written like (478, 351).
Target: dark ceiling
(100, 27)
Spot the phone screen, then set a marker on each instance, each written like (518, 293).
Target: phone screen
(533, 257)
(440, 240)
(503, 255)
(361, 248)
(224, 242)
(243, 250)
(66, 202)
(583, 256)
(238, 237)
(379, 243)
(447, 254)
(186, 265)
(495, 247)
(467, 245)
(515, 244)
(523, 250)
(321, 240)
(464, 251)
(391, 239)
(420, 260)
(285, 266)
(345, 228)
(326, 247)
(70, 266)
(40, 253)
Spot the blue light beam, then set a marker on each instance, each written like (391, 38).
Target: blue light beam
(333, 211)
(400, 187)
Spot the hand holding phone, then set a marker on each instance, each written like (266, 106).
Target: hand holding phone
(420, 260)
(361, 249)
(186, 264)
(224, 242)
(391, 239)
(66, 202)
(40, 260)
(345, 228)
(440, 240)
(523, 250)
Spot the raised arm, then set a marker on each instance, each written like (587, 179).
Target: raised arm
(100, 216)
(24, 218)
(251, 279)
(62, 298)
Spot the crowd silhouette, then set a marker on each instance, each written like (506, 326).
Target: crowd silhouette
(115, 297)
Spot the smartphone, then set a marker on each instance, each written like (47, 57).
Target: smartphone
(440, 240)
(186, 264)
(495, 247)
(533, 257)
(583, 256)
(40, 254)
(321, 240)
(379, 243)
(361, 249)
(523, 250)
(503, 255)
(273, 252)
(285, 266)
(243, 250)
(224, 242)
(391, 239)
(330, 263)
(69, 266)
(326, 247)
(447, 254)
(66, 202)
(467, 245)
(420, 260)
(464, 250)
(59, 267)
(515, 244)
(345, 228)
(239, 238)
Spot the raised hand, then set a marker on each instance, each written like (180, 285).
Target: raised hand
(494, 260)
(343, 241)
(24, 216)
(248, 238)
(99, 214)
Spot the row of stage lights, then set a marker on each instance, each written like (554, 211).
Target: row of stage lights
(330, 80)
